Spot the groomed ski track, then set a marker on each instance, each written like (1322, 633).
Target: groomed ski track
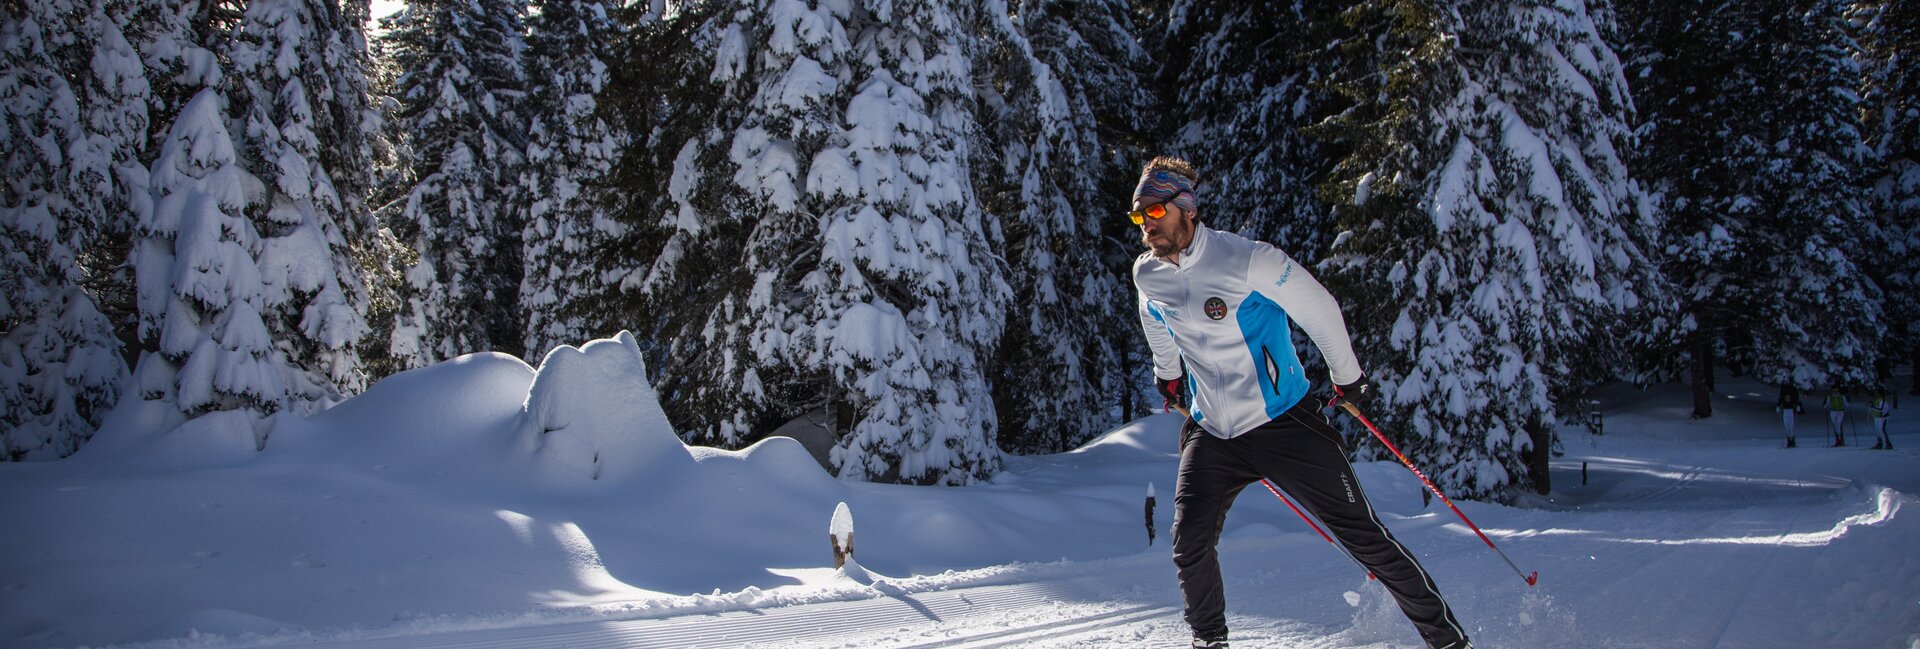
(1012, 615)
(1131, 601)
(1708, 529)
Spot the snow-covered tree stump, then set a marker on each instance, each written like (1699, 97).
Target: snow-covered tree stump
(840, 533)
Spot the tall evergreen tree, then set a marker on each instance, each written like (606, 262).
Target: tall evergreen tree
(1493, 241)
(384, 257)
(200, 290)
(1890, 103)
(1831, 329)
(1236, 91)
(72, 95)
(570, 154)
(118, 94)
(299, 87)
(1065, 99)
(828, 253)
(249, 296)
(1754, 150)
(646, 272)
(460, 92)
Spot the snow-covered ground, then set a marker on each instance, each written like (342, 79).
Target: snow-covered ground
(482, 503)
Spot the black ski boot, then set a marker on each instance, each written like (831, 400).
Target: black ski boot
(1790, 443)
(1210, 641)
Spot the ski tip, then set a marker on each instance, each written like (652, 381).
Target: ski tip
(1533, 579)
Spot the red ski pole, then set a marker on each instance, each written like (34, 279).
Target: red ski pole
(1315, 526)
(1354, 410)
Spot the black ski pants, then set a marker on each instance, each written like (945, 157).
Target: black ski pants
(1305, 457)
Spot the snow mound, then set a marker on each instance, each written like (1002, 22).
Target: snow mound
(777, 463)
(453, 417)
(1392, 488)
(214, 439)
(591, 415)
(1150, 438)
(462, 394)
(856, 573)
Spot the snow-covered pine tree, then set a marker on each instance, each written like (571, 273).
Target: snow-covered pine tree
(72, 109)
(197, 270)
(570, 153)
(1492, 236)
(117, 90)
(249, 297)
(1754, 151)
(299, 87)
(1065, 92)
(1236, 92)
(657, 108)
(679, 257)
(1686, 85)
(828, 252)
(385, 258)
(1830, 322)
(1890, 106)
(460, 91)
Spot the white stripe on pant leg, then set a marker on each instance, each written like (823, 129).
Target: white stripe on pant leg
(1446, 610)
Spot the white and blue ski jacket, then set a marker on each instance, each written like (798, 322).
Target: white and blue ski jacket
(1224, 310)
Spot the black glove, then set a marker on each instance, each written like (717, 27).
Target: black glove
(1356, 393)
(1174, 390)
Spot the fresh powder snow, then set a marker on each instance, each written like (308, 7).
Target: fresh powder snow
(481, 501)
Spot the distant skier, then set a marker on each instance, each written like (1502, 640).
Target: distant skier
(1788, 406)
(1837, 415)
(1221, 303)
(1881, 409)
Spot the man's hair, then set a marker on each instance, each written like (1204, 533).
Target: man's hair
(1173, 164)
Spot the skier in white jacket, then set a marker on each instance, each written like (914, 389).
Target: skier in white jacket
(1215, 309)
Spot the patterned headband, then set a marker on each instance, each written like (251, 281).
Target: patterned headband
(1164, 184)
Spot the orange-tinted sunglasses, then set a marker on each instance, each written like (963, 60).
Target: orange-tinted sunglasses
(1155, 211)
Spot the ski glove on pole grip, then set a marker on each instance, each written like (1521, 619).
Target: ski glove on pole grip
(1174, 390)
(1356, 393)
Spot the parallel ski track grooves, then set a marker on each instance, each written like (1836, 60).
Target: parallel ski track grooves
(808, 624)
(1053, 629)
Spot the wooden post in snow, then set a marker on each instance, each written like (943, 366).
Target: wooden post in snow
(1149, 513)
(840, 533)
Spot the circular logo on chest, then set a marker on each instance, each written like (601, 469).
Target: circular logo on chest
(1216, 308)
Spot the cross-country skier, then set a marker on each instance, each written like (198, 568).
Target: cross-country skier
(1221, 303)
(1837, 415)
(1881, 409)
(1788, 406)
